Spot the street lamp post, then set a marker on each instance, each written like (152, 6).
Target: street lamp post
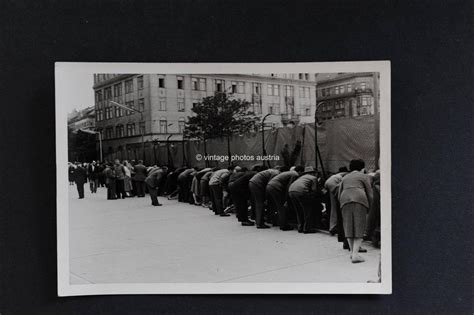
(142, 132)
(264, 152)
(170, 159)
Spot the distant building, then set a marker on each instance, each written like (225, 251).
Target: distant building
(83, 119)
(166, 101)
(345, 95)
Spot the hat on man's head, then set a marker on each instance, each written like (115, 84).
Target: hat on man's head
(309, 170)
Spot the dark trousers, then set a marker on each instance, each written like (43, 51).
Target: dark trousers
(216, 198)
(93, 184)
(153, 191)
(308, 210)
(258, 197)
(80, 189)
(111, 190)
(240, 202)
(277, 199)
(120, 186)
(140, 187)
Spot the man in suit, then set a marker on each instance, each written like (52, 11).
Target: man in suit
(257, 187)
(153, 181)
(216, 188)
(239, 191)
(139, 178)
(109, 175)
(277, 192)
(93, 175)
(80, 178)
(304, 193)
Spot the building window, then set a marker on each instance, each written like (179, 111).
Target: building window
(119, 131)
(130, 130)
(140, 82)
(118, 89)
(98, 96)
(118, 112)
(109, 133)
(181, 125)
(307, 91)
(300, 76)
(273, 90)
(256, 88)
(141, 105)
(142, 127)
(181, 107)
(108, 112)
(308, 111)
(342, 89)
(289, 90)
(306, 76)
(108, 93)
(130, 104)
(180, 81)
(162, 104)
(234, 86)
(349, 88)
(198, 84)
(195, 103)
(270, 108)
(241, 87)
(363, 86)
(129, 86)
(220, 86)
(161, 82)
(163, 126)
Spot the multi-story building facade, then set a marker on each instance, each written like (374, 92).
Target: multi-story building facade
(166, 100)
(345, 95)
(83, 119)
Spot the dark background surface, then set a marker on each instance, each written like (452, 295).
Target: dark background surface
(430, 47)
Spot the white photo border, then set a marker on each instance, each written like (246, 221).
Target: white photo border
(65, 78)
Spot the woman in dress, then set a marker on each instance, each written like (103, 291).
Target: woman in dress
(355, 198)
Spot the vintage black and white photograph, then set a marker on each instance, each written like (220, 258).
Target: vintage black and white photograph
(223, 178)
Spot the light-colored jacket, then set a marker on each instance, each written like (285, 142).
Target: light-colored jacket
(356, 187)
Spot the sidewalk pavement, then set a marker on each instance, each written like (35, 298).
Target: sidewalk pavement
(129, 241)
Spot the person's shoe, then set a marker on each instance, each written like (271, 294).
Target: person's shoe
(286, 228)
(310, 232)
(263, 226)
(357, 259)
(366, 237)
(333, 231)
(248, 223)
(224, 215)
(300, 231)
(346, 246)
(362, 250)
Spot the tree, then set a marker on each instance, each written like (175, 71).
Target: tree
(220, 116)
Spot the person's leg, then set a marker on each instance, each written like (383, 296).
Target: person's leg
(113, 185)
(91, 185)
(309, 212)
(219, 200)
(298, 210)
(360, 220)
(259, 197)
(333, 214)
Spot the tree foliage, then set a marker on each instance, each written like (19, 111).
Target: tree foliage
(220, 115)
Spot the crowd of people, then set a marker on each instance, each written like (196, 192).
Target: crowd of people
(346, 203)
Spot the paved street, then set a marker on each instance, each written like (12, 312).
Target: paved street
(129, 241)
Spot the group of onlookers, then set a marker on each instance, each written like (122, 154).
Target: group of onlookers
(349, 201)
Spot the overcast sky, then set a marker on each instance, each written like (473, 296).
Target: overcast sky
(83, 94)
